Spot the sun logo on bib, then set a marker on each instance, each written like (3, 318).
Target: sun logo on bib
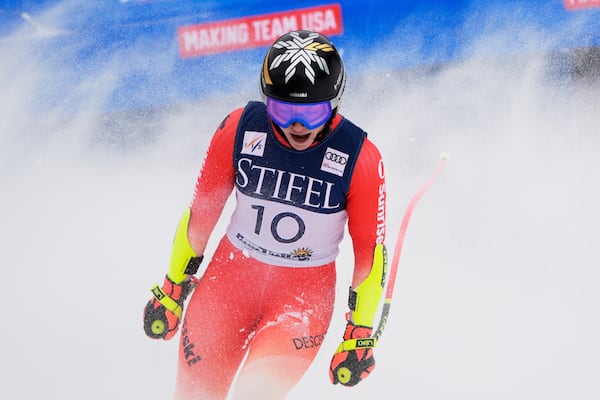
(302, 253)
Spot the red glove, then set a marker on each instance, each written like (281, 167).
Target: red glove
(163, 313)
(353, 360)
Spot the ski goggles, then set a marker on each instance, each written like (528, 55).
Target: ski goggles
(311, 115)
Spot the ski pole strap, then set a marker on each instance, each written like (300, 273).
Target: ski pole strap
(358, 343)
(167, 301)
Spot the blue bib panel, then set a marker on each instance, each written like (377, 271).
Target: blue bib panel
(291, 205)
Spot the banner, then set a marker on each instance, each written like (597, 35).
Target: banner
(580, 4)
(256, 31)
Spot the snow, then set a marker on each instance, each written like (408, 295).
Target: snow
(497, 292)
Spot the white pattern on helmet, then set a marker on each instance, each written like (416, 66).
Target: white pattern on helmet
(298, 53)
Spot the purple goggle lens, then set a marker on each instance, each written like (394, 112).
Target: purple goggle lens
(311, 115)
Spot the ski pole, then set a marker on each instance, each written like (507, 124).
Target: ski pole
(398, 248)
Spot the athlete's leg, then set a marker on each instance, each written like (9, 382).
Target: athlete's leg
(296, 315)
(220, 316)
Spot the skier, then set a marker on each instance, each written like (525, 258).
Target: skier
(259, 313)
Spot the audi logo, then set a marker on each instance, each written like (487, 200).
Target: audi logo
(336, 158)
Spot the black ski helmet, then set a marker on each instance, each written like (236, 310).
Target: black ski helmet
(303, 67)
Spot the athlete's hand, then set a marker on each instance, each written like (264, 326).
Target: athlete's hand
(353, 360)
(163, 313)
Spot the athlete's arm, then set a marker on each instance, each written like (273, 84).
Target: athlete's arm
(366, 209)
(214, 184)
(366, 223)
(353, 359)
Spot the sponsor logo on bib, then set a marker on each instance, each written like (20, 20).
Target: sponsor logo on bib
(254, 143)
(334, 162)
